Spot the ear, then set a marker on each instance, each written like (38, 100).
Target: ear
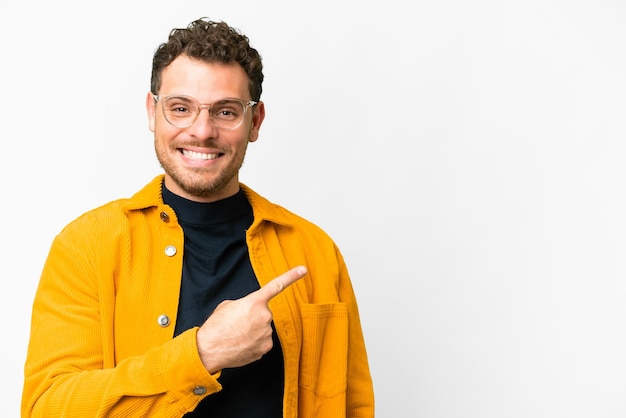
(151, 109)
(257, 119)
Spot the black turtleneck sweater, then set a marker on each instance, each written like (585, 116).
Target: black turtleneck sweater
(216, 267)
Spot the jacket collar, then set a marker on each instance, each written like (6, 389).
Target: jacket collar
(264, 210)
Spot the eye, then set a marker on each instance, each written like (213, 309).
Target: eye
(179, 106)
(227, 110)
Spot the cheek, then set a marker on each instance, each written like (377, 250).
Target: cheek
(163, 131)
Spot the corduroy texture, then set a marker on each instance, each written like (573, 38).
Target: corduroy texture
(97, 350)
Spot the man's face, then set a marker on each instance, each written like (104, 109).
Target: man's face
(202, 161)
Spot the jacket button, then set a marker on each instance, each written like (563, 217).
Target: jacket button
(199, 390)
(165, 217)
(163, 320)
(170, 250)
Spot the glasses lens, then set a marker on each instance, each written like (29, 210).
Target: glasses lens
(180, 111)
(227, 114)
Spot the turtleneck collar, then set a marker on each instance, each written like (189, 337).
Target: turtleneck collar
(201, 213)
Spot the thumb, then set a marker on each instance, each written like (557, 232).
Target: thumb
(280, 283)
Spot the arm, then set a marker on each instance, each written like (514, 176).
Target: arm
(71, 370)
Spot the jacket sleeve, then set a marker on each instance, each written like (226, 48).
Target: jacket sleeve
(71, 370)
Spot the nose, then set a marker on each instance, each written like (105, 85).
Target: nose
(203, 126)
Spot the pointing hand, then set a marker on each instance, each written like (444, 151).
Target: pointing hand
(239, 331)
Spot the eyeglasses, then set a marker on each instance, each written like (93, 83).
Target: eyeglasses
(182, 111)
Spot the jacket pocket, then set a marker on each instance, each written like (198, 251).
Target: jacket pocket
(324, 358)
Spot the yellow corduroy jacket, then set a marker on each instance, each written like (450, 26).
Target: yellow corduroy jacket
(102, 345)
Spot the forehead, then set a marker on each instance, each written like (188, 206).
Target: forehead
(204, 81)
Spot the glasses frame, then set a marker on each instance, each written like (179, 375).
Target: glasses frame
(206, 106)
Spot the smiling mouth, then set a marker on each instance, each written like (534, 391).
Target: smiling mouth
(193, 155)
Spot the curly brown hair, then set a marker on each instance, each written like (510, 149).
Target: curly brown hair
(213, 42)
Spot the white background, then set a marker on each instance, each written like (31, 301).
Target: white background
(467, 157)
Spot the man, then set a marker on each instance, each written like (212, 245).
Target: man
(196, 296)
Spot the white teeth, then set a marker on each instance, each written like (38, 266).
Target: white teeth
(199, 155)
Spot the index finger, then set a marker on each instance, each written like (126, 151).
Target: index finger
(280, 283)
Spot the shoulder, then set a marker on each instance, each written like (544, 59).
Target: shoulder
(115, 215)
(107, 217)
(284, 219)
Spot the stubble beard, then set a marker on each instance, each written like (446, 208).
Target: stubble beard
(194, 180)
